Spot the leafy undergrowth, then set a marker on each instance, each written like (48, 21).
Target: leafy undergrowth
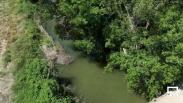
(32, 82)
(142, 38)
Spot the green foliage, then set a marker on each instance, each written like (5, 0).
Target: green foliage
(147, 76)
(140, 37)
(27, 8)
(32, 83)
(84, 45)
(7, 57)
(115, 34)
(35, 9)
(145, 8)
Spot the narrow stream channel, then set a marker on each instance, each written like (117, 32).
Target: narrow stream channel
(90, 81)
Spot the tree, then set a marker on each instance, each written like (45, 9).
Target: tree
(143, 38)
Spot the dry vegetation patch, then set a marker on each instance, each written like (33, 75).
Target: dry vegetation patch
(9, 22)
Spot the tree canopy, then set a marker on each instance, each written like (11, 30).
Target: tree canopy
(143, 38)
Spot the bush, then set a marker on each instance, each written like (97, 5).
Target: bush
(84, 45)
(32, 83)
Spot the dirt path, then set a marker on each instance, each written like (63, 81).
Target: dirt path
(5, 76)
(8, 28)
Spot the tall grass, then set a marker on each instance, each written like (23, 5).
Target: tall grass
(32, 85)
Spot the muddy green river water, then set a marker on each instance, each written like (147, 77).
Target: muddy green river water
(89, 79)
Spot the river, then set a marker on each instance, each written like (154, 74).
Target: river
(89, 79)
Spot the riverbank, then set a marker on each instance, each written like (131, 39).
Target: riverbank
(54, 52)
(140, 38)
(34, 80)
(87, 77)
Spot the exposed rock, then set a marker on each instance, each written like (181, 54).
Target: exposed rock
(63, 58)
(59, 55)
(53, 53)
(171, 97)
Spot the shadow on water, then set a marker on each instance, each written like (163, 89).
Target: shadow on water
(87, 79)
(66, 89)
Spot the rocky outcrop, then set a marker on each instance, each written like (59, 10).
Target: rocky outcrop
(52, 53)
(57, 55)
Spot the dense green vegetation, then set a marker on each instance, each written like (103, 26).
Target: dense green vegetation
(31, 76)
(33, 82)
(143, 38)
